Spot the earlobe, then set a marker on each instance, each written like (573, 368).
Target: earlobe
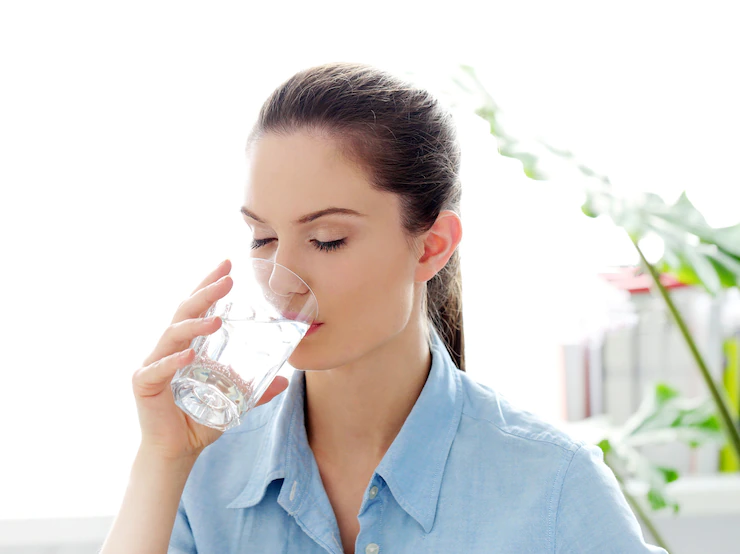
(439, 245)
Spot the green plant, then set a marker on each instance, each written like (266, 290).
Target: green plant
(663, 417)
(694, 252)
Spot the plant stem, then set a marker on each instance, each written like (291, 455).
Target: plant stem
(733, 434)
(638, 509)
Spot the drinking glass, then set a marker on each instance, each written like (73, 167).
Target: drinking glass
(264, 316)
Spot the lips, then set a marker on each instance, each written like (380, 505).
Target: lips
(296, 316)
(313, 328)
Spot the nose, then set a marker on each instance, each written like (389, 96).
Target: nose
(284, 279)
(279, 281)
(284, 282)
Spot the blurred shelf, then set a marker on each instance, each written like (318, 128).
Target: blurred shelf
(54, 531)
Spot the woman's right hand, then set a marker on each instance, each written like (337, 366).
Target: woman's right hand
(165, 428)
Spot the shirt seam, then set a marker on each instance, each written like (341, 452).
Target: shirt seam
(289, 459)
(522, 436)
(552, 525)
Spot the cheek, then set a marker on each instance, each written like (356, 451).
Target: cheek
(371, 285)
(365, 299)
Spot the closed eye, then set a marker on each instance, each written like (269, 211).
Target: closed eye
(323, 246)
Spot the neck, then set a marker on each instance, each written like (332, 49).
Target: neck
(354, 412)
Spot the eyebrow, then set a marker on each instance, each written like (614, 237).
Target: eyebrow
(308, 217)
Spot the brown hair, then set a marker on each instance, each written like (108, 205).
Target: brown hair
(403, 139)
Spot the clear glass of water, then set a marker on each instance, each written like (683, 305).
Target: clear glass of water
(264, 316)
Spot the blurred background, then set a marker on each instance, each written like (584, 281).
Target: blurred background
(122, 134)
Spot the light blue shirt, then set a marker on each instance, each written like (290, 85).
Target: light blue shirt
(468, 473)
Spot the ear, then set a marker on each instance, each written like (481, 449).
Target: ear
(439, 243)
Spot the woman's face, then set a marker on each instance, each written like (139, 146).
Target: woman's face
(360, 267)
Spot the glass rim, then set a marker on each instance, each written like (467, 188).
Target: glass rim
(251, 261)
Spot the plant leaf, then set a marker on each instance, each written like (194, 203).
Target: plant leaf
(684, 209)
(588, 210)
(703, 269)
(664, 417)
(664, 393)
(656, 499)
(605, 446)
(669, 473)
(727, 278)
(728, 239)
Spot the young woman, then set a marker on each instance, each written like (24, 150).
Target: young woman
(380, 442)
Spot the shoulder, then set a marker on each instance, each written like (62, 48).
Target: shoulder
(491, 413)
(537, 467)
(521, 456)
(511, 451)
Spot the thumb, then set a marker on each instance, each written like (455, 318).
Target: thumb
(278, 385)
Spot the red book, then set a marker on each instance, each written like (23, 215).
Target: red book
(627, 278)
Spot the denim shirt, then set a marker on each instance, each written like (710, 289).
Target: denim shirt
(467, 473)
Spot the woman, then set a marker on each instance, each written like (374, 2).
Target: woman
(381, 442)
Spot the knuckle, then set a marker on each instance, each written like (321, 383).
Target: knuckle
(208, 297)
(174, 329)
(136, 376)
(185, 325)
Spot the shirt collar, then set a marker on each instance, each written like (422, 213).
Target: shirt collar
(412, 467)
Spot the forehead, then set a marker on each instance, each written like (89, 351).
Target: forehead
(292, 175)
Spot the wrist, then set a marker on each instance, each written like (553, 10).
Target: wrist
(156, 457)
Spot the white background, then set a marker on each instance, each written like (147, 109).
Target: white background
(122, 130)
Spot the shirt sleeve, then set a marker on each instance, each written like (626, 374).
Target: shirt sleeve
(181, 540)
(593, 515)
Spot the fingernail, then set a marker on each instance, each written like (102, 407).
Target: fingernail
(210, 319)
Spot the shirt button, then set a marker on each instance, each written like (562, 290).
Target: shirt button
(292, 490)
(372, 548)
(373, 492)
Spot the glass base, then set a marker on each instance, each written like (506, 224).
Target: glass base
(205, 404)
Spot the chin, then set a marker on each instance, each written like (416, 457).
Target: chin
(307, 356)
(320, 351)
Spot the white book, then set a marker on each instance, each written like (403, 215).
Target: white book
(576, 381)
(618, 356)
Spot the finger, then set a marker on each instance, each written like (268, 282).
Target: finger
(154, 378)
(178, 336)
(222, 269)
(278, 385)
(197, 305)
